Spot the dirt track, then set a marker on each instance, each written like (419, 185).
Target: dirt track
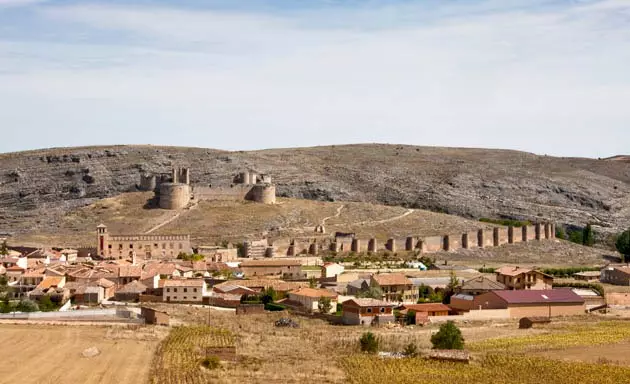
(52, 354)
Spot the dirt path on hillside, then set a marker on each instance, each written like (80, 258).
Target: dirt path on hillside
(341, 207)
(171, 219)
(409, 212)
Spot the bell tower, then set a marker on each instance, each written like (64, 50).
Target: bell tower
(103, 239)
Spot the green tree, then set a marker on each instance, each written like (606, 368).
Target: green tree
(4, 287)
(448, 337)
(576, 237)
(27, 306)
(371, 293)
(269, 296)
(4, 250)
(410, 318)
(623, 245)
(560, 233)
(411, 350)
(588, 237)
(369, 343)
(324, 304)
(312, 282)
(46, 305)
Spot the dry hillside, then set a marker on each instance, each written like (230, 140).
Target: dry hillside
(38, 187)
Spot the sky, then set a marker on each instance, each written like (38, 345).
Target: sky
(543, 76)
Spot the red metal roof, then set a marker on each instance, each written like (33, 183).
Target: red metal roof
(539, 296)
(428, 307)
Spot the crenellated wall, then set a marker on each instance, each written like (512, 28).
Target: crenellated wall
(495, 237)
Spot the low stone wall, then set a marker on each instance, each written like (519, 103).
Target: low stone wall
(151, 299)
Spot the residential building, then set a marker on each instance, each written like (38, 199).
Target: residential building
(617, 275)
(367, 312)
(523, 303)
(587, 275)
(332, 270)
(479, 285)
(424, 311)
(287, 269)
(184, 291)
(523, 278)
(309, 298)
(396, 287)
(356, 287)
(153, 316)
(131, 291)
(462, 302)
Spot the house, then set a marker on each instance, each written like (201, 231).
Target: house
(153, 316)
(356, 287)
(436, 283)
(332, 270)
(396, 287)
(89, 295)
(287, 269)
(367, 312)
(479, 285)
(423, 311)
(587, 275)
(52, 287)
(219, 254)
(260, 285)
(184, 291)
(109, 288)
(131, 291)
(309, 298)
(617, 275)
(523, 278)
(462, 302)
(524, 303)
(129, 273)
(234, 290)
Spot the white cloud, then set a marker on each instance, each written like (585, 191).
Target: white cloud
(540, 80)
(18, 3)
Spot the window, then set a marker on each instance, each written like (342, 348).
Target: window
(369, 310)
(130, 246)
(109, 246)
(185, 297)
(382, 310)
(185, 290)
(168, 289)
(195, 290)
(156, 246)
(174, 289)
(120, 246)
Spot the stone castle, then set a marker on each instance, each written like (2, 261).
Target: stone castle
(175, 191)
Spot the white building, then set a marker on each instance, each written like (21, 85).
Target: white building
(184, 291)
(332, 270)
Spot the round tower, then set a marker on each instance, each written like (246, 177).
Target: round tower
(265, 194)
(174, 195)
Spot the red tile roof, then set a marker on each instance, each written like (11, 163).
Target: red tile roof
(391, 279)
(313, 293)
(539, 296)
(270, 263)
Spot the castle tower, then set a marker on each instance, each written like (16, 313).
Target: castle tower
(102, 239)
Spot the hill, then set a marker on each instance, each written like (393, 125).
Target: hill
(37, 188)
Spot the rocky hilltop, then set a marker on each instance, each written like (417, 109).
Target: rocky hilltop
(36, 187)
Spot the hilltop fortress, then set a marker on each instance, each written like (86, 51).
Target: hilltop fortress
(175, 191)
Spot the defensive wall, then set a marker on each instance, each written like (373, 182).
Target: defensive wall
(483, 238)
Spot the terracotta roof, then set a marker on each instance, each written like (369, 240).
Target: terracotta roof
(313, 293)
(539, 296)
(369, 303)
(278, 285)
(199, 266)
(230, 288)
(384, 279)
(133, 287)
(50, 281)
(130, 271)
(105, 283)
(270, 263)
(15, 268)
(512, 271)
(482, 283)
(184, 283)
(428, 307)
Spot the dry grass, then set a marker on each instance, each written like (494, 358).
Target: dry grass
(47, 354)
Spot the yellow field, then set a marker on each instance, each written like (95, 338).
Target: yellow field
(53, 354)
(494, 369)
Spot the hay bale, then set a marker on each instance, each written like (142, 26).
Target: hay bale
(528, 322)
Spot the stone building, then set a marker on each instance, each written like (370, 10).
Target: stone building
(145, 246)
(177, 192)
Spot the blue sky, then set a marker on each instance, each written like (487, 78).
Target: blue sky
(549, 77)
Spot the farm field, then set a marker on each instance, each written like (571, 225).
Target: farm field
(53, 354)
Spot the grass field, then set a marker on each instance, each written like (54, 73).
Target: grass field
(53, 354)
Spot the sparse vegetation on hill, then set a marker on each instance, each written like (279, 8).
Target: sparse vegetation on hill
(623, 244)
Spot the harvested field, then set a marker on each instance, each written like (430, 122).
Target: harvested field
(608, 354)
(53, 354)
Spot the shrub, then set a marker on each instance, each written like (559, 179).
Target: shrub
(567, 272)
(324, 305)
(623, 245)
(369, 343)
(588, 236)
(274, 307)
(211, 362)
(487, 270)
(410, 318)
(27, 306)
(410, 350)
(448, 337)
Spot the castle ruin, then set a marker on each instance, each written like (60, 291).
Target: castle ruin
(177, 192)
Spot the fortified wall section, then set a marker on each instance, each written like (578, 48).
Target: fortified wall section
(452, 242)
